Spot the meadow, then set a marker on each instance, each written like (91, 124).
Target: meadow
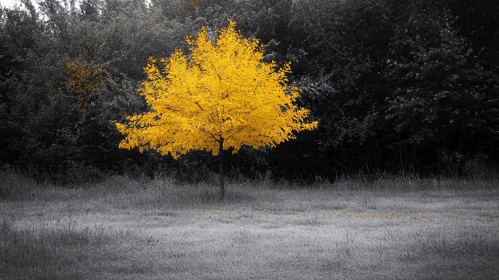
(123, 228)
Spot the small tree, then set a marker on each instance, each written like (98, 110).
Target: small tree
(220, 97)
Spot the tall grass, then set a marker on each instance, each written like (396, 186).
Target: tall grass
(15, 185)
(65, 250)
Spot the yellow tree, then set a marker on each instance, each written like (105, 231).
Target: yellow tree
(220, 97)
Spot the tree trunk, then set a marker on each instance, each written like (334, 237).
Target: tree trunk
(401, 155)
(414, 156)
(221, 157)
(461, 152)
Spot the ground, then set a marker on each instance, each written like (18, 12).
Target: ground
(158, 229)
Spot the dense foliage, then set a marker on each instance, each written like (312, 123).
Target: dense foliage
(396, 85)
(220, 98)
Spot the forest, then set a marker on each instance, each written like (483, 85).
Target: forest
(396, 86)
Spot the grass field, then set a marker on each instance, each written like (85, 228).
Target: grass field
(156, 229)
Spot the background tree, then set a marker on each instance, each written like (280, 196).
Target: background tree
(338, 49)
(220, 98)
(441, 102)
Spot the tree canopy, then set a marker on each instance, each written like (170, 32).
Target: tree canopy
(222, 94)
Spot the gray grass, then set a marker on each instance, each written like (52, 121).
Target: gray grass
(396, 228)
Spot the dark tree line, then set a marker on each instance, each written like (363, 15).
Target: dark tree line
(397, 85)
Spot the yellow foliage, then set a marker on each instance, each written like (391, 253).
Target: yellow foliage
(223, 95)
(83, 80)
